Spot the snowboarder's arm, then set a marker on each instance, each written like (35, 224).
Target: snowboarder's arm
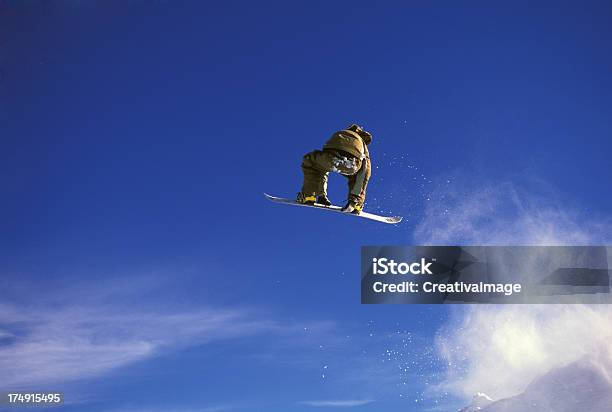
(357, 186)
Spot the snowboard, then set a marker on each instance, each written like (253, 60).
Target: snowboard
(333, 208)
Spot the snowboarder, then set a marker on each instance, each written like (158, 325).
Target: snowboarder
(346, 152)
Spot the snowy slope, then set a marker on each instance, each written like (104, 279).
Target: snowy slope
(479, 401)
(584, 385)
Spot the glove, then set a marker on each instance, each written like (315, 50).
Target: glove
(353, 207)
(349, 208)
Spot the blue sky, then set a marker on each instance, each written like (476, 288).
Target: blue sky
(142, 267)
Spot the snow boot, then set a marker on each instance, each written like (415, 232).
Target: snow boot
(307, 199)
(353, 208)
(323, 200)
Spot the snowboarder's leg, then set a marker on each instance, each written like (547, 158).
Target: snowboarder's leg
(357, 184)
(316, 167)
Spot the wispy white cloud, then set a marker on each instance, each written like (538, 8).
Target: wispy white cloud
(90, 329)
(79, 332)
(59, 344)
(344, 403)
(216, 408)
(219, 408)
